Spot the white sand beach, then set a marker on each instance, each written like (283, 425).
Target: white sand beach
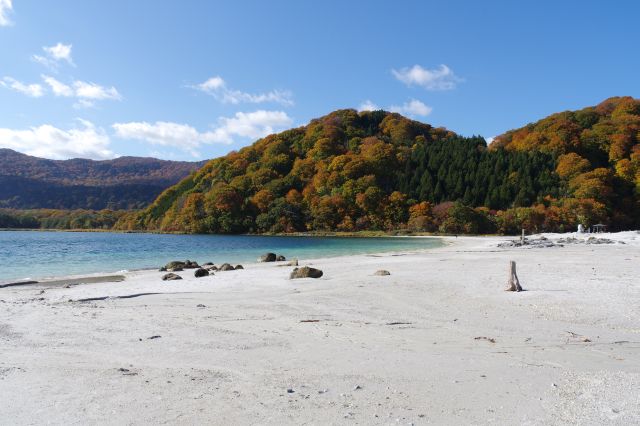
(438, 341)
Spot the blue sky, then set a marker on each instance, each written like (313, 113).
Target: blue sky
(195, 79)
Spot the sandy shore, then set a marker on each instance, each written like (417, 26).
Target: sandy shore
(438, 341)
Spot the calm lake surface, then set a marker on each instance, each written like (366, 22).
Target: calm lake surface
(37, 255)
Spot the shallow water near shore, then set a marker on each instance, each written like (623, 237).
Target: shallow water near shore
(38, 255)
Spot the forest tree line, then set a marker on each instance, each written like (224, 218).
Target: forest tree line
(353, 171)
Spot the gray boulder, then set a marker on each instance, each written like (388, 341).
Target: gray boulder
(305, 272)
(190, 265)
(171, 277)
(176, 265)
(267, 257)
(280, 258)
(199, 273)
(239, 267)
(226, 267)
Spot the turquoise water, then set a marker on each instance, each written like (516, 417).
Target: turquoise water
(37, 255)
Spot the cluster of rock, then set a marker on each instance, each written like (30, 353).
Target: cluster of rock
(590, 240)
(205, 270)
(271, 257)
(541, 242)
(177, 266)
(544, 242)
(209, 268)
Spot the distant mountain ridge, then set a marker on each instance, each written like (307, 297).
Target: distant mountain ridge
(28, 182)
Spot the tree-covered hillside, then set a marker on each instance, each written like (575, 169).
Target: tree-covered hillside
(598, 155)
(352, 171)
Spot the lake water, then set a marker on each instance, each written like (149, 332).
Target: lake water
(37, 255)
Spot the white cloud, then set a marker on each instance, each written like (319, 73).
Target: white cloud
(58, 88)
(85, 92)
(88, 90)
(6, 7)
(252, 125)
(414, 107)
(212, 85)
(162, 133)
(368, 106)
(54, 55)
(441, 78)
(86, 141)
(217, 87)
(60, 52)
(33, 90)
(183, 136)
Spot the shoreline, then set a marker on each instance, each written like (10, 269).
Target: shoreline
(144, 263)
(104, 277)
(95, 277)
(345, 234)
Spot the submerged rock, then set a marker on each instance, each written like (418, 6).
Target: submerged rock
(305, 272)
(382, 272)
(201, 273)
(267, 257)
(171, 277)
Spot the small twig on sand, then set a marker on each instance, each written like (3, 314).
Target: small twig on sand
(488, 339)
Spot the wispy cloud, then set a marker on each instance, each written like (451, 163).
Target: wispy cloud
(86, 93)
(54, 55)
(185, 137)
(441, 78)
(163, 133)
(412, 108)
(218, 88)
(83, 141)
(6, 7)
(58, 88)
(368, 106)
(251, 125)
(33, 90)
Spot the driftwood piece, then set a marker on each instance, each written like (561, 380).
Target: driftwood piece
(514, 283)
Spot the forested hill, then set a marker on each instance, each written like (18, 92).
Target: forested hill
(122, 183)
(353, 171)
(598, 155)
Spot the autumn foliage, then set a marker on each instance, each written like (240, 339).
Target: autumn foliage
(351, 171)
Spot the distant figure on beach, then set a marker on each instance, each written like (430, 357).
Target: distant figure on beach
(580, 229)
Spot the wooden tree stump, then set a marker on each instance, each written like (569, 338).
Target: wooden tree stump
(513, 283)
